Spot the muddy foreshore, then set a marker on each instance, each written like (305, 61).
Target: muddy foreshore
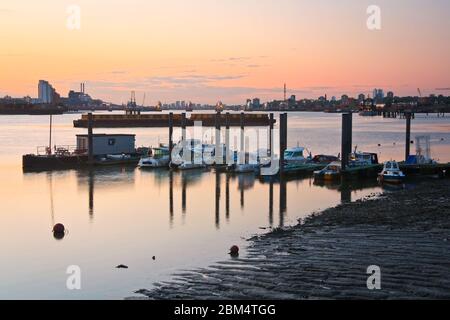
(405, 233)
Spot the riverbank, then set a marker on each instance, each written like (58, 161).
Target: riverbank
(405, 233)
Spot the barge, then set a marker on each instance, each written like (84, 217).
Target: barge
(107, 149)
(160, 120)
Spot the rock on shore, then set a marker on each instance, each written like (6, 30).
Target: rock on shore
(405, 233)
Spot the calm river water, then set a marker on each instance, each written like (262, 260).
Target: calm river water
(185, 219)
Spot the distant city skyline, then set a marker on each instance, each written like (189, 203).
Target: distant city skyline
(224, 51)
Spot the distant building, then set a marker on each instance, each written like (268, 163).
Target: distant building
(256, 103)
(378, 95)
(361, 97)
(344, 99)
(248, 104)
(46, 93)
(390, 95)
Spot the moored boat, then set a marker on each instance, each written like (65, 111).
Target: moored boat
(296, 156)
(391, 173)
(160, 158)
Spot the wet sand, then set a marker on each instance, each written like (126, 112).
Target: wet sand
(406, 233)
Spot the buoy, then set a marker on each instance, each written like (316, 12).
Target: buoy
(59, 228)
(234, 251)
(58, 231)
(154, 258)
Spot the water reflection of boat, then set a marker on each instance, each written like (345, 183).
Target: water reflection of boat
(391, 173)
(330, 172)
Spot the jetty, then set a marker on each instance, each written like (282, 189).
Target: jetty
(163, 120)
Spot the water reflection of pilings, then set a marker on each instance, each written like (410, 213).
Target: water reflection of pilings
(218, 180)
(171, 197)
(227, 198)
(91, 193)
(283, 198)
(244, 182)
(271, 203)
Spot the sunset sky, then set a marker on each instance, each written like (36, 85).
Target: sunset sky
(228, 50)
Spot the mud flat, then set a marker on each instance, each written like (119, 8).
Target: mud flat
(405, 233)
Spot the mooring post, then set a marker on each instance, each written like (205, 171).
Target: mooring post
(170, 135)
(186, 155)
(346, 145)
(219, 154)
(283, 140)
(271, 119)
(408, 135)
(90, 140)
(242, 150)
(227, 138)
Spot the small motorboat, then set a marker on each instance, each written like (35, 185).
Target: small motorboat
(295, 156)
(160, 158)
(391, 173)
(330, 172)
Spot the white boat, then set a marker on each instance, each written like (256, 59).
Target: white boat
(296, 156)
(391, 173)
(160, 158)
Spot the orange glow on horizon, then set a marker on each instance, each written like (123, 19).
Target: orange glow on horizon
(227, 50)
